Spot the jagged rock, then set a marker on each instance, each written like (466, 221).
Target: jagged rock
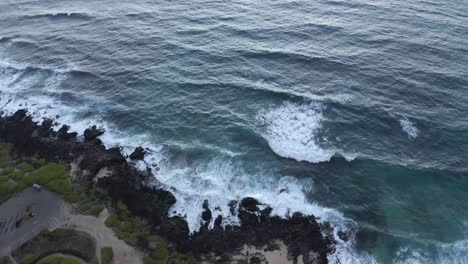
(218, 221)
(92, 133)
(206, 214)
(63, 134)
(232, 207)
(250, 204)
(343, 236)
(138, 154)
(302, 234)
(265, 214)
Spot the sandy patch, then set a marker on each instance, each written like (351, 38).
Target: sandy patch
(105, 237)
(104, 172)
(277, 256)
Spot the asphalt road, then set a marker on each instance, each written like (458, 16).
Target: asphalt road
(48, 213)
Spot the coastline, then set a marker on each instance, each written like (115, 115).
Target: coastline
(92, 164)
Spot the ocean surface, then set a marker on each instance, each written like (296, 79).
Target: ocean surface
(355, 111)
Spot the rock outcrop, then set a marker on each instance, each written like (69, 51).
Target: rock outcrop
(302, 234)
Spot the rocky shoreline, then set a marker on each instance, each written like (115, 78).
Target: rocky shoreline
(95, 165)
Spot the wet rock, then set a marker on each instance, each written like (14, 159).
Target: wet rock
(63, 134)
(206, 214)
(248, 218)
(92, 133)
(138, 154)
(265, 214)
(232, 207)
(45, 130)
(218, 221)
(249, 204)
(302, 234)
(343, 235)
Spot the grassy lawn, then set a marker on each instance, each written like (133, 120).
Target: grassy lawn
(58, 260)
(18, 174)
(107, 254)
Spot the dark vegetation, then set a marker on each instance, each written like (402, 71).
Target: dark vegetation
(18, 173)
(107, 254)
(65, 241)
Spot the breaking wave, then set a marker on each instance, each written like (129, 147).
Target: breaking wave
(409, 128)
(292, 131)
(219, 180)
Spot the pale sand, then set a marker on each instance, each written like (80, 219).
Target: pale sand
(105, 237)
(277, 256)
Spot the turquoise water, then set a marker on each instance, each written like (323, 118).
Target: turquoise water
(356, 108)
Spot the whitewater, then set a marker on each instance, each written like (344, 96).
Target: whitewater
(352, 111)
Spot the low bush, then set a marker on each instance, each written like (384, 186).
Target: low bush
(28, 259)
(107, 254)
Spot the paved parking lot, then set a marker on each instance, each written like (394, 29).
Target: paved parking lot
(48, 213)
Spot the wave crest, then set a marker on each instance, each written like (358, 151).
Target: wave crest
(292, 131)
(409, 128)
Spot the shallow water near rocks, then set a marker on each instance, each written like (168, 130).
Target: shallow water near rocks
(356, 108)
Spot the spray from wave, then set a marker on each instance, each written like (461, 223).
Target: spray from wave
(292, 131)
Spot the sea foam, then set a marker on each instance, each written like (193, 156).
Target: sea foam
(219, 180)
(409, 128)
(292, 131)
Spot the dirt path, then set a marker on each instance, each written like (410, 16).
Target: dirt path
(105, 237)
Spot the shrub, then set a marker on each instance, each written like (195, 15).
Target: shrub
(161, 253)
(107, 254)
(112, 221)
(96, 210)
(28, 259)
(16, 175)
(94, 261)
(27, 168)
(149, 260)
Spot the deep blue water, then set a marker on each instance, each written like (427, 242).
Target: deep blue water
(357, 108)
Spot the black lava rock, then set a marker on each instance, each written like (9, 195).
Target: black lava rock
(92, 133)
(249, 204)
(206, 214)
(138, 154)
(302, 234)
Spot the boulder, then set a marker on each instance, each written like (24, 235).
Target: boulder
(63, 134)
(138, 154)
(249, 204)
(206, 214)
(92, 133)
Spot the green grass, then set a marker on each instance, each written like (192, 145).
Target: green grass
(58, 260)
(94, 261)
(107, 254)
(53, 176)
(28, 259)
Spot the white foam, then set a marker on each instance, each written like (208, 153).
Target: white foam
(404, 255)
(409, 127)
(292, 131)
(453, 253)
(219, 180)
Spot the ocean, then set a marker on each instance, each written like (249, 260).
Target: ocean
(354, 111)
